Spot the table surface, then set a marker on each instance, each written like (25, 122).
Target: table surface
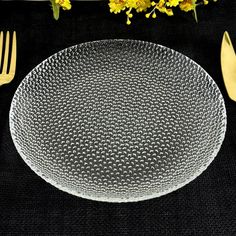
(30, 206)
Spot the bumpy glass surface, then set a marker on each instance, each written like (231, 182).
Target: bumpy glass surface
(118, 120)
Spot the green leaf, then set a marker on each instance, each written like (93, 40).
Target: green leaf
(55, 9)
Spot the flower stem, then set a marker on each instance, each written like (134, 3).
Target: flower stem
(194, 10)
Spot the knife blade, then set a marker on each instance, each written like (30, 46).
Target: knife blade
(228, 65)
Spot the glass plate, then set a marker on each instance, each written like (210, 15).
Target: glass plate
(118, 120)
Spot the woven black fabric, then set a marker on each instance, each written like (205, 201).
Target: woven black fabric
(30, 206)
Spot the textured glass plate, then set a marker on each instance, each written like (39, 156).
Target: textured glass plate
(118, 120)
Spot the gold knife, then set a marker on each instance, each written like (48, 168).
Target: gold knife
(228, 65)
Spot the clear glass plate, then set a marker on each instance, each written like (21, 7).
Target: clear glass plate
(118, 120)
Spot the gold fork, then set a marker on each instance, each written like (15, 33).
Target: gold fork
(7, 75)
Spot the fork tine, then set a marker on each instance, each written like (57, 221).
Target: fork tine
(1, 47)
(13, 56)
(5, 60)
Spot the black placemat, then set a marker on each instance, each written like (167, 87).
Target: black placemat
(30, 206)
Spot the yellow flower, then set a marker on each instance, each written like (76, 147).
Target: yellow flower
(131, 3)
(187, 5)
(169, 12)
(65, 4)
(142, 5)
(138, 5)
(154, 15)
(153, 3)
(173, 3)
(117, 6)
(162, 8)
(128, 22)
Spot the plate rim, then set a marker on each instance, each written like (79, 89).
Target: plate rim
(114, 199)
